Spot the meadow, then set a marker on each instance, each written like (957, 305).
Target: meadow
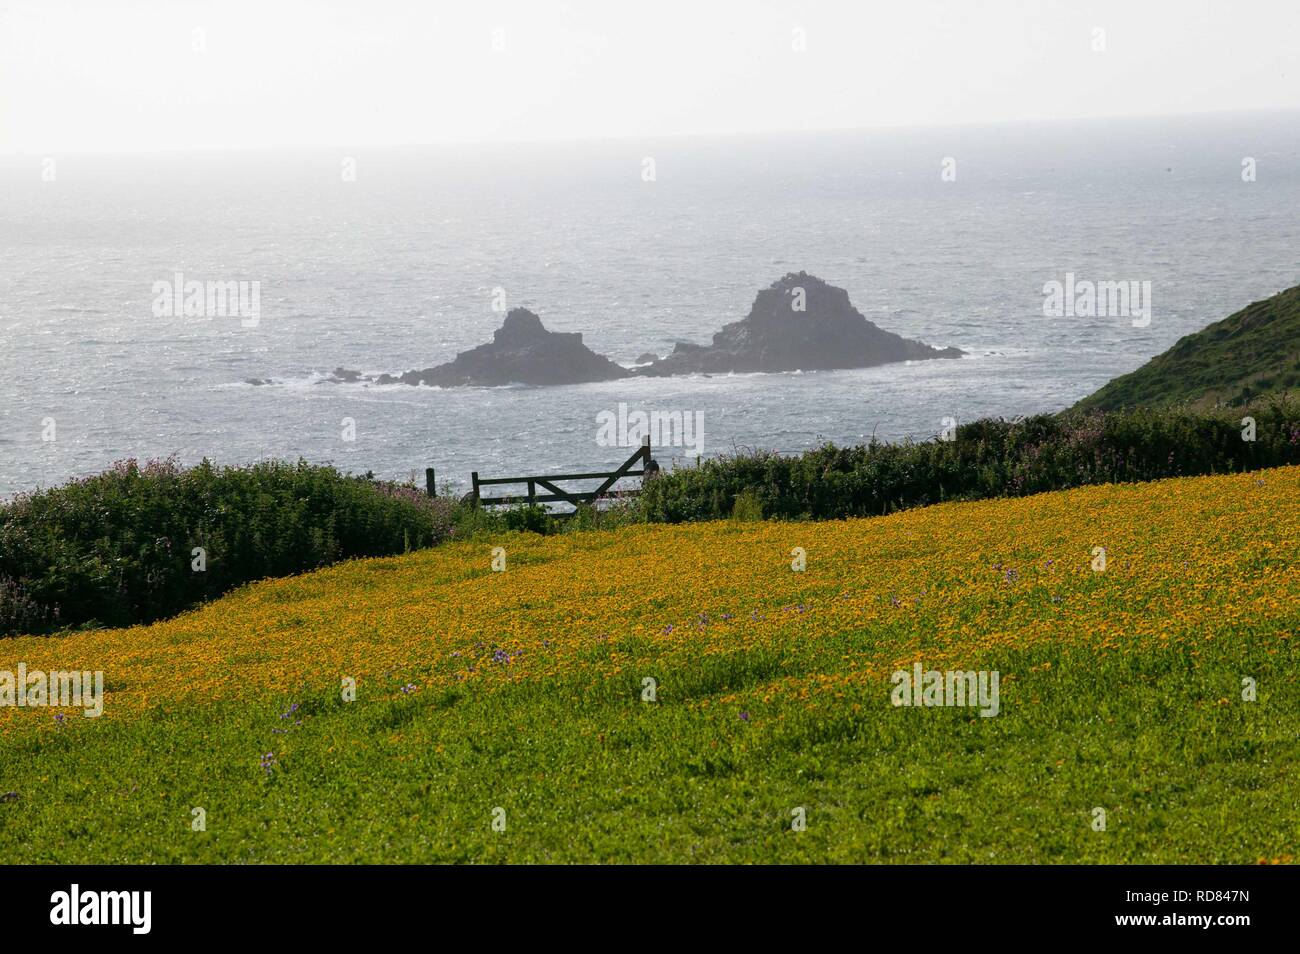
(506, 716)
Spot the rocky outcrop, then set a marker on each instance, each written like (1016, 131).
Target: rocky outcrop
(521, 352)
(799, 323)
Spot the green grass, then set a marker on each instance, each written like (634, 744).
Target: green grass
(1252, 353)
(586, 771)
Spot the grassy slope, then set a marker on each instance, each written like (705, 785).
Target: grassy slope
(1121, 690)
(1252, 353)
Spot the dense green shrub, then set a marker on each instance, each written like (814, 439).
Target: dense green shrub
(535, 518)
(988, 458)
(747, 507)
(118, 548)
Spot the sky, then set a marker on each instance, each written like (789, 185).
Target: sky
(147, 75)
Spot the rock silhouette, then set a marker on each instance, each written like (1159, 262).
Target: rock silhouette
(798, 323)
(522, 351)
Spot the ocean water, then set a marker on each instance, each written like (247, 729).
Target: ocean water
(397, 270)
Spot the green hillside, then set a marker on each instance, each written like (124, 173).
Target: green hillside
(674, 694)
(1250, 354)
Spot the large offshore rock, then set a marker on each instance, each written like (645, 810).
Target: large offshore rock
(798, 323)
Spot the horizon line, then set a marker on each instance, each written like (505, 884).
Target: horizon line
(12, 153)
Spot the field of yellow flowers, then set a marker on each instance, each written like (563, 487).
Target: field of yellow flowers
(677, 693)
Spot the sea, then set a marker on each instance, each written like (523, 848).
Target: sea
(388, 259)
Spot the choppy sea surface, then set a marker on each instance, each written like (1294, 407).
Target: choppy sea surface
(397, 269)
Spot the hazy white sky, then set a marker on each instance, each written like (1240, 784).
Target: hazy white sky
(123, 75)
